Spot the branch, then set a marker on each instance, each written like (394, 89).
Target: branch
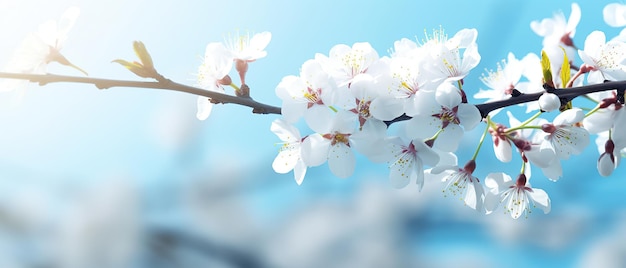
(166, 84)
(566, 94)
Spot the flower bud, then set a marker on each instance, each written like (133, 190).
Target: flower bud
(549, 102)
(606, 164)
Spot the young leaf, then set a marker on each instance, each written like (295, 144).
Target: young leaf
(565, 76)
(546, 70)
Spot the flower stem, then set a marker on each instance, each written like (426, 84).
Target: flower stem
(523, 125)
(482, 138)
(594, 110)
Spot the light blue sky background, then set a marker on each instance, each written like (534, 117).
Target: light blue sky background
(65, 138)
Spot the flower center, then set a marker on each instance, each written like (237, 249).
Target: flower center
(338, 138)
(448, 116)
(313, 95)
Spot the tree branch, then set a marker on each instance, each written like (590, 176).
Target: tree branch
(565, 95)
(167, 84)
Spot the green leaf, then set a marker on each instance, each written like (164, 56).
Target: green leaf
(144, 68)
(135, 67)
(546, 70)
(565, 69)
(565, 76)
(143, 55)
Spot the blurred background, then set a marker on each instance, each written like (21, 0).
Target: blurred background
(128, 177)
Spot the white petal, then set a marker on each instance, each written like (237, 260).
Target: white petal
(471, 58)
(285, 131)
(314, 150)
(260, 41)
(540, 199)
(569, 117)
(204, 108)
(599, 121)
(419, 172)
(474, 195)
(553, 171)
(615, 14)
(448, 95)
(498, 182)
(574, 19)
(286, 160)
(503, 150)
(517, 203)
(464, 37)
(469, 116)
(441, 168)
(491, 202)
(319, 118)
(299, 171)
(427, 154)
(341, 160)
(594, 42)
(385, 109)
(422, 126)
(449, 139)
(345, 122)
(401, 172)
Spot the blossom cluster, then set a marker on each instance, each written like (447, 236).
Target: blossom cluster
(348, 98)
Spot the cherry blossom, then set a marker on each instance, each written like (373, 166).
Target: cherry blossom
(460, 181)
(371, 102)
(407, 81)
(556, 31)
(247, 49)
(604, 58)
(213, 74)
(332, 144)
(345, 62)
(445, 54)
(502, 81)
(408, 161)
(563, 137)
(609, 114)
(289, 157)
(43, 47)
(310, 95)
(531, 147)
(443, 113)
(517, 196)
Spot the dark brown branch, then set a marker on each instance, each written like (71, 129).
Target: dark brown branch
(485, 108)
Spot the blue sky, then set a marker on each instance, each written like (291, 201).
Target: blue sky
(69, 136)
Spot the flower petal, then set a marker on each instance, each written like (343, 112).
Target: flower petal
(569, 117)
(299, 171)
(341, 160)
(540, 199)
(314, 150)
(204, 108)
